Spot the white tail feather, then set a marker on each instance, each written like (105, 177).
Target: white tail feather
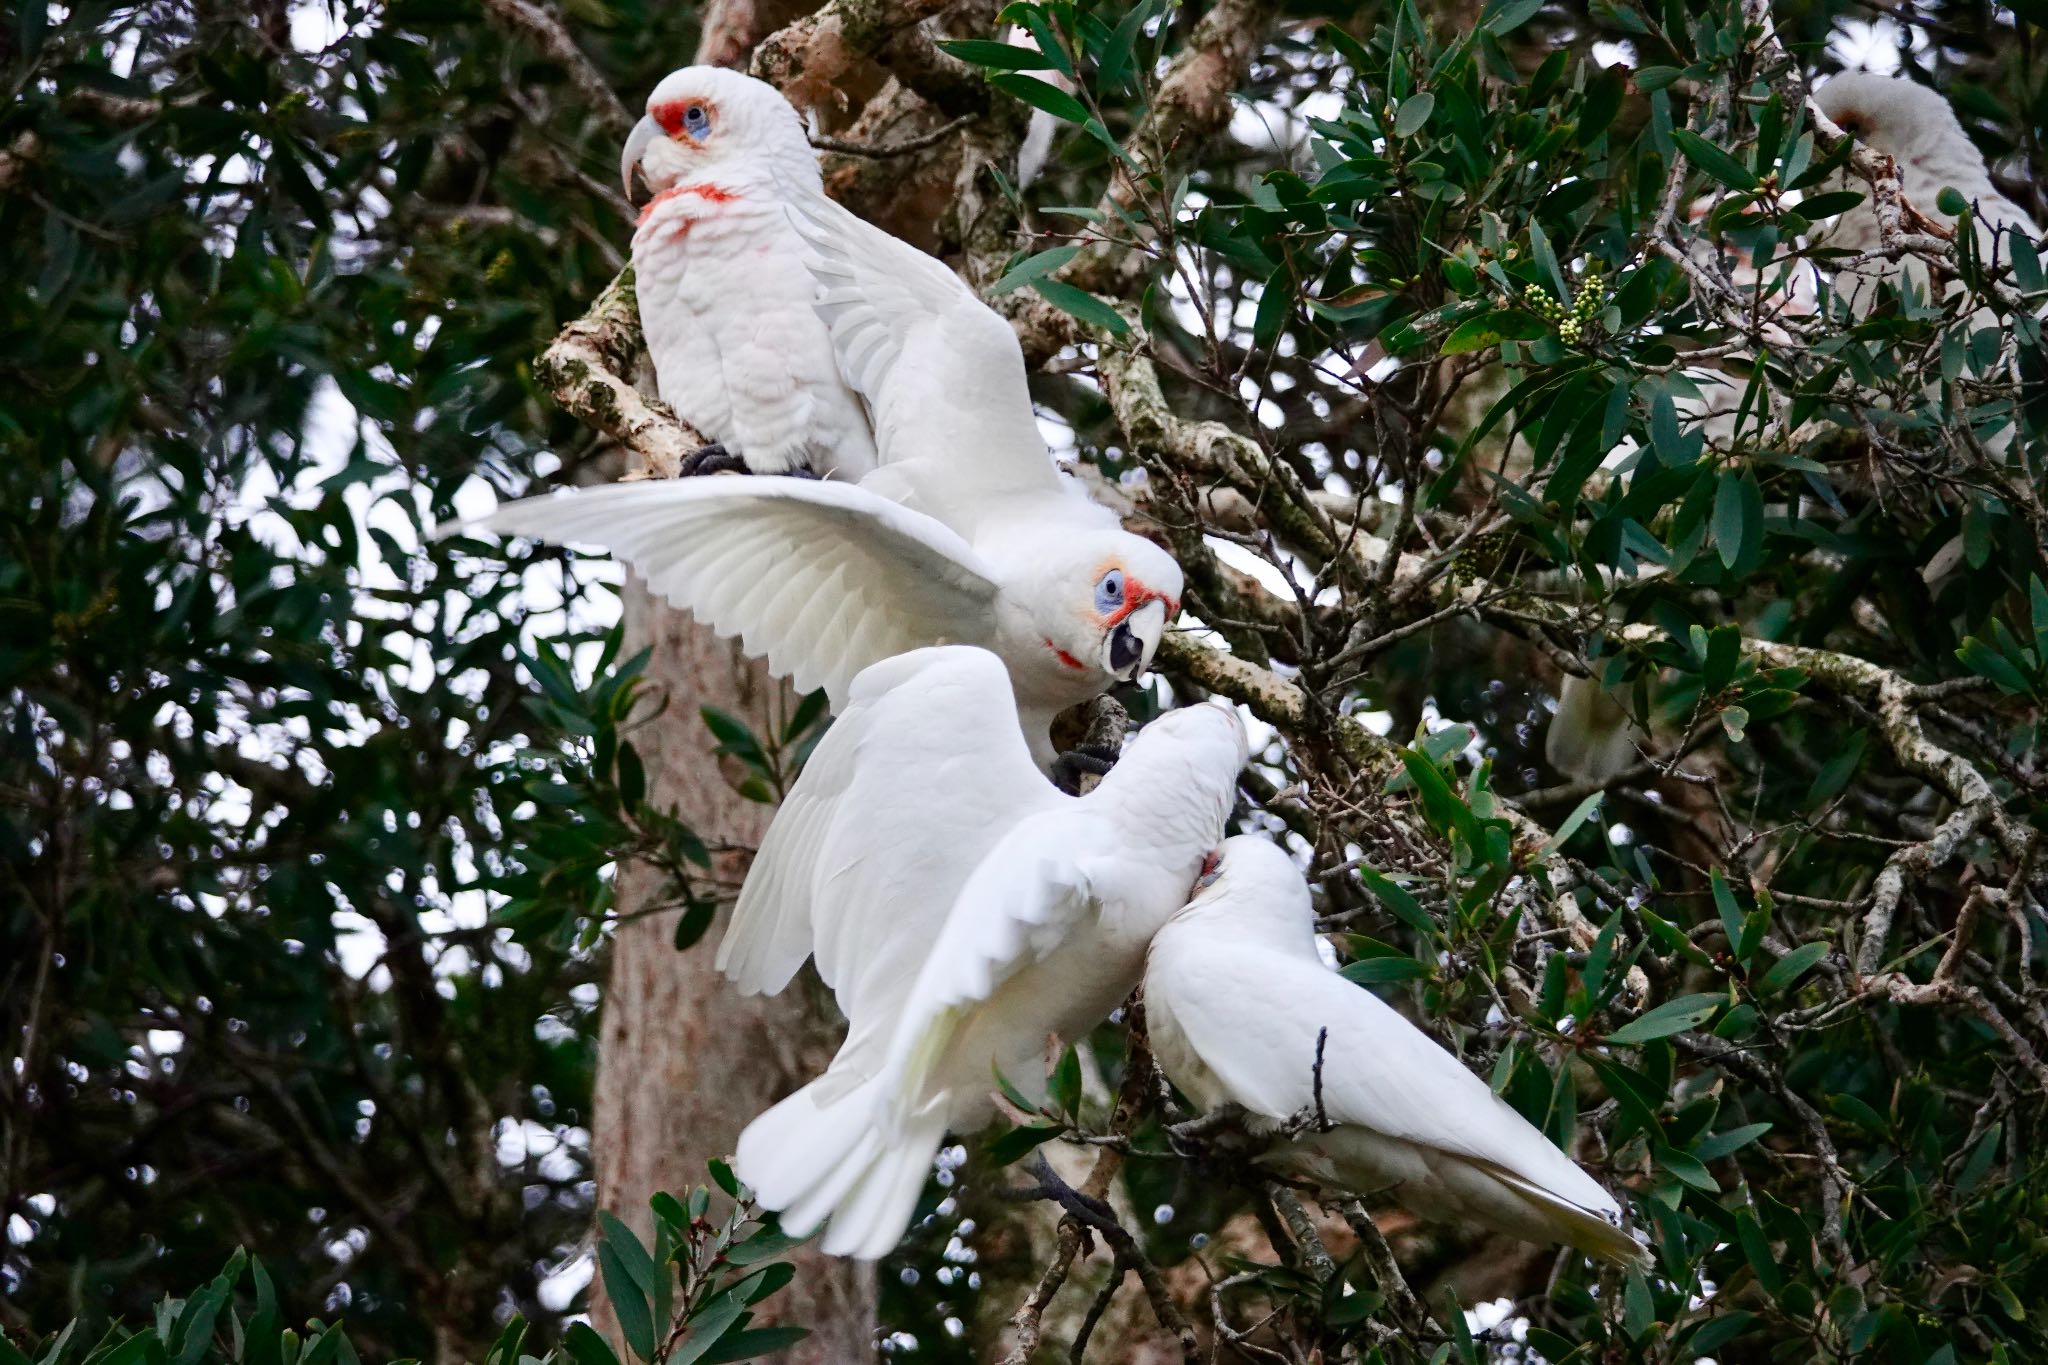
(812, 1158)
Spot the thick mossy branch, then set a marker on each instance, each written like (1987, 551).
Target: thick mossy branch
(584, 370)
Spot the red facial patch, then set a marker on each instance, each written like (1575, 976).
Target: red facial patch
(669, 115)
(1069, 660)
(709, 193)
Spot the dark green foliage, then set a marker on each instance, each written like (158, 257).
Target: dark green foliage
(276, 273)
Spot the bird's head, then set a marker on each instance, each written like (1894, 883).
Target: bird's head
(707, 128)
(1106, 602)
(1888, 113)
(1252, 882)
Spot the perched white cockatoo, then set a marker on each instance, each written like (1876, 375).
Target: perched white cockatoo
(963, 910)
(1236, 999)
(725, 301)
(1916, 127)
(966, 534)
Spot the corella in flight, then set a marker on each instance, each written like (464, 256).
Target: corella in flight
(963, 910)
(1237, 1002)
(724, 298)
(966, 534)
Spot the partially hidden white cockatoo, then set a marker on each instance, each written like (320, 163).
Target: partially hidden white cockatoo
(1236, 1002)
(1915, 127)
(963, 910)
(725, 302)
(1593, 736)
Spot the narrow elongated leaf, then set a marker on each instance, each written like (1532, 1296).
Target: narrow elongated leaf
(1673, 1016)
(1034, 267)
(1717, 163)
(1083, 305)
(1791, 967)
(1041, 95)
(1476, 334)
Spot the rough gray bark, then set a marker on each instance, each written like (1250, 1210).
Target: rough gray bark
(685, 1061)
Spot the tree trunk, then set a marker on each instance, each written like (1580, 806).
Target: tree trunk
(685, 1061)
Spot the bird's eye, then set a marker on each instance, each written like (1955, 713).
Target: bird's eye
(697, 121)
(1109, 592)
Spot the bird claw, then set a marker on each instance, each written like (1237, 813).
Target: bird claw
(1084, 760)
(712, 459)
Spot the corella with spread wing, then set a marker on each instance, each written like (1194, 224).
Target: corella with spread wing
(967, 534)
(1237, 1003)
(724, 298)
(963, 910)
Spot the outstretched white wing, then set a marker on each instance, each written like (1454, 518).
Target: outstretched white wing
(821, 579)
(1253, 1014)
(923, 772)
(942, 372)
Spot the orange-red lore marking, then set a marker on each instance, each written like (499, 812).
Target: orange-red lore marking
(1136, 595)
(709, 193)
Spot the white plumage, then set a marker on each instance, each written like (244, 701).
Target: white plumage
(1915, 126)
(1235, 998)
(724, 299)
(963, 910)
(967, 533)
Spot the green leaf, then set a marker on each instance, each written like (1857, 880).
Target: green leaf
(632, 1255)
(1688, 1168)
(722, 1176)
(587, 1346)
(707, 1328)
(1081, 304)
(1580, 814)
(669, 1210)
(1673, 1016)
(1713, 160)
(1413, 114)
(1476, 334)
(1014, 1143)
(1791, 967)
(1511, 16)
(997, 56)
(629, 1302)
(1039, 95)
(1035, 267)
(694, 923)
(752, 1342)
(1725, 1144)
(1738, 516)
(1379, 971)
(1396, 898)
(771, 1241)
(1064, 1086)
(1987, 662)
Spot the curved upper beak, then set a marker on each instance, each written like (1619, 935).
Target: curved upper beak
(637, 142)
(1135, 640)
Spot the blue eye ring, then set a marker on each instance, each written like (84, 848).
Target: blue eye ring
(697, 121)
(1109, 591)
